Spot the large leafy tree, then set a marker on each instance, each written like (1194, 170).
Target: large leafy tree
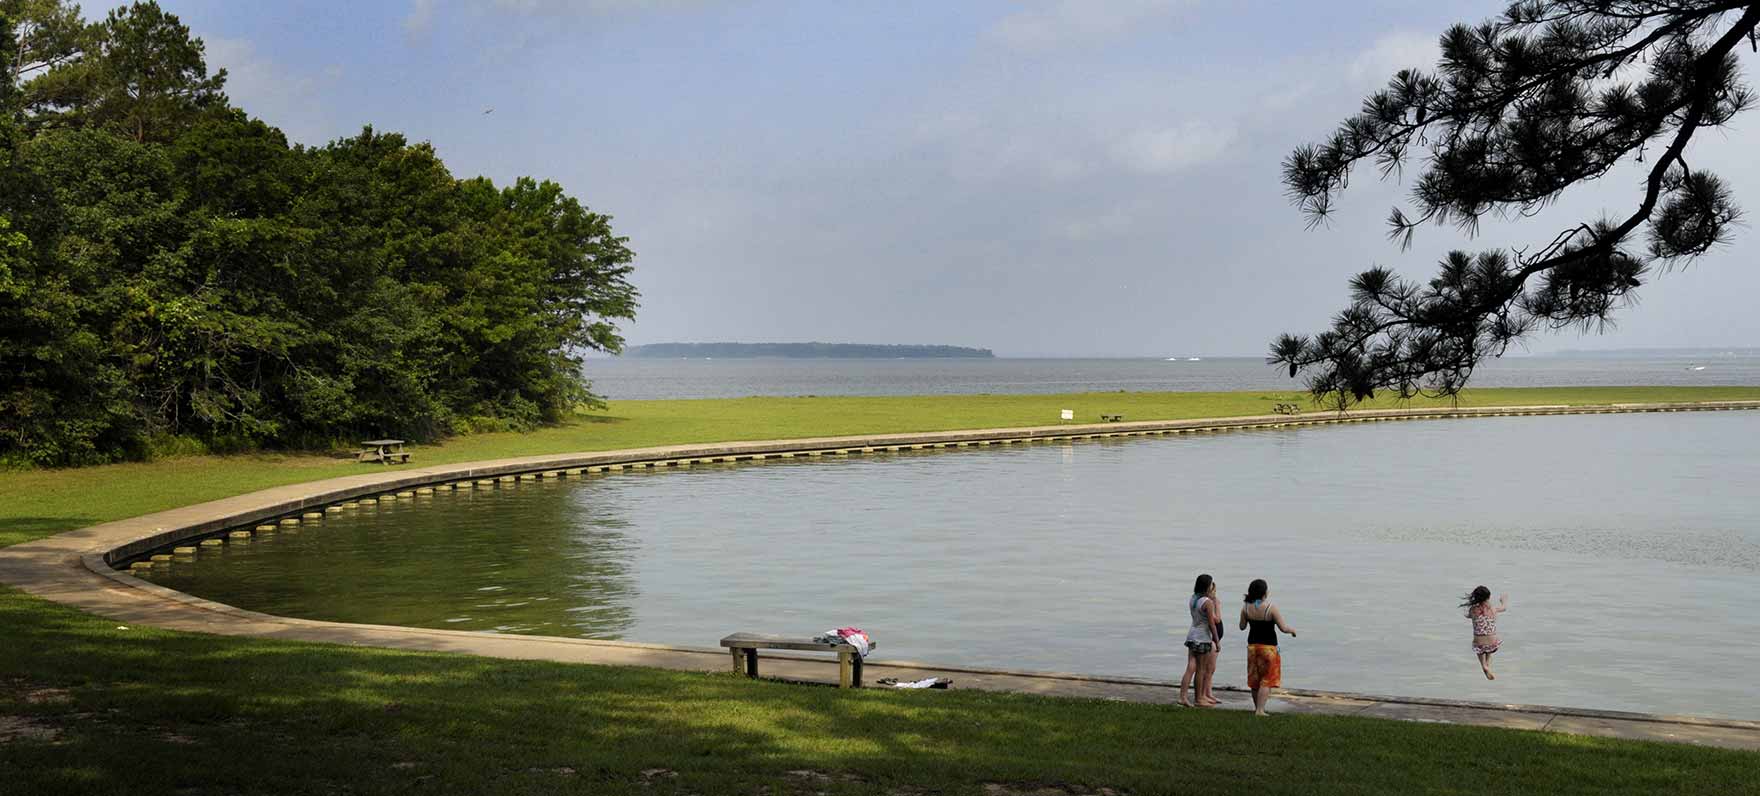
(1551, 94)
(173, 270)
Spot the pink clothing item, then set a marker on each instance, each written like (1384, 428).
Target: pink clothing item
(857, 638)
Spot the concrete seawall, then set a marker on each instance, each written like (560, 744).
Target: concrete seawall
(78, 568)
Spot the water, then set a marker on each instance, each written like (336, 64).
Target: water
(1628, 545)
(635, 379)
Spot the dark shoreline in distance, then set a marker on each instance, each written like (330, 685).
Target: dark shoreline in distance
(803, 351)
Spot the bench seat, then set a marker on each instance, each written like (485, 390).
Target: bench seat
(745, 646)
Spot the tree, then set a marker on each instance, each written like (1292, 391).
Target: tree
(44, 34)
(139, 72)
(1551, 94)
(9, 104)
(172, 271)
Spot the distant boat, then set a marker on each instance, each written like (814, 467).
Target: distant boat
(1697, 367)
(1171, 359)
(1194, 359)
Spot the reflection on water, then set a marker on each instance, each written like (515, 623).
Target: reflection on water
(536, 559)
(1628, 545)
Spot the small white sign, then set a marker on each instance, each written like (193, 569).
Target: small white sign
(1068, 414)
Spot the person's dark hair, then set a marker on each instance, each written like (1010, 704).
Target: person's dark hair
(1256, 590)
(1477, 596)
(1203, 584)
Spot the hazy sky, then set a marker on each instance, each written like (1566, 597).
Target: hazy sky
(1055, 178)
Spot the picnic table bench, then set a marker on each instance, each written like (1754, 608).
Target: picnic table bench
(384, 451)
(1111, 418)
(1287, 409)
(745, 646)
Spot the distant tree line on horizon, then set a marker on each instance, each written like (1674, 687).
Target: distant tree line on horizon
(175, 274)
(805, 351)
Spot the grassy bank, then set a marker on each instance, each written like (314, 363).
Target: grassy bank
(44, 502)
(89, 707)
(141, 711)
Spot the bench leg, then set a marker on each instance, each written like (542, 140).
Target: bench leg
(846, 669)
(745, 659)
(858, 676)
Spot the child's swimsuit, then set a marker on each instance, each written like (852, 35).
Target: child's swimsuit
(1484, 624)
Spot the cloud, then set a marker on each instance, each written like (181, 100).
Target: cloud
(1106, 223)
(1168, 149)
(550, 7)
(1060, 23)
(272, 92)
(1391, 53)
(421, 14)
(421, 17)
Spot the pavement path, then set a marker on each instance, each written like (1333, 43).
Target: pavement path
(75, 568)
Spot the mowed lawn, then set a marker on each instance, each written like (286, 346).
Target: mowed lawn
(141, 711)
(89, 706)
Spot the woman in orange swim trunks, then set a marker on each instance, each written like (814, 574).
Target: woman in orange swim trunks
(1262, 620)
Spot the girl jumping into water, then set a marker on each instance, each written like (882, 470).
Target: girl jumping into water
(1484, 618)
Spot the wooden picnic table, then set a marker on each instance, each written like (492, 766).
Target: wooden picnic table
(383, 451)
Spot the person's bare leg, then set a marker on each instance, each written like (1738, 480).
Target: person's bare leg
(1210, 682)
(1260, 695)
(1207, 675)
(1485, 665)
(1184, 679)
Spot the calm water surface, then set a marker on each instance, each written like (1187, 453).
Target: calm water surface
(633, 379)
(1628, 545)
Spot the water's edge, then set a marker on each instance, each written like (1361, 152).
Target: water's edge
(104, 547)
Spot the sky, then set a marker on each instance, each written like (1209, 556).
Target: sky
(1049, 178)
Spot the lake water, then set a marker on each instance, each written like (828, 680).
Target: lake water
(634, 379)
(1628, 544)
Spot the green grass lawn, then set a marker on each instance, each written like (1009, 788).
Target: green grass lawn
(142, 711)
(86, 707)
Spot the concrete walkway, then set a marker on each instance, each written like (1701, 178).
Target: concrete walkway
(75, 569)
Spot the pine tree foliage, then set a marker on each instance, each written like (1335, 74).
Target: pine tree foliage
(1551, 94)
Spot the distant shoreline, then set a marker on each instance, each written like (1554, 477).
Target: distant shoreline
(803, 351)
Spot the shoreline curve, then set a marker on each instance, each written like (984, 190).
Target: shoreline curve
(78, 568)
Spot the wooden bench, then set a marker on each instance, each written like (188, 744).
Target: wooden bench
(1111, 418)
(745, 646)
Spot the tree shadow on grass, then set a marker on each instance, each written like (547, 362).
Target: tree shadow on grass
(154, 711)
